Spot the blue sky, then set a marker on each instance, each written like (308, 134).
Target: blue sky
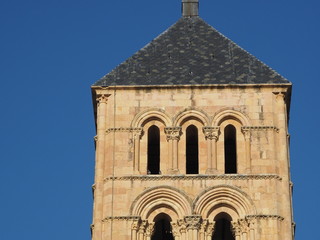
(51, 52)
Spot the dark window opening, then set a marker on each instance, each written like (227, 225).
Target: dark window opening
(192, 150)
(222, 229)
(162, 228)
(230, 149)
(153, 150)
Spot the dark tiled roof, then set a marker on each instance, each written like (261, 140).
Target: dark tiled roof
(191, 52)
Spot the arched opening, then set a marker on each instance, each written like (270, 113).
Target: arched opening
(192, 150)
(222, 228)
(230, 149)
(162, 228)
(153, 150)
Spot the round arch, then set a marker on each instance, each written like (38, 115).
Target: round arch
(226, 114)
(154, 113)
(195, 114)
(161, 199)
(223, 198)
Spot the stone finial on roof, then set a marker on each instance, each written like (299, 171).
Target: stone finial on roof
(190, 8)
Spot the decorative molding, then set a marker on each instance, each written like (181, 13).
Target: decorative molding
(173, 133)
(102, 98)
(259, 128)
(195, 177)
(210, 228)
(211, 132)
(123, 129)
(193, 222)
(263, 216)
(121, 218)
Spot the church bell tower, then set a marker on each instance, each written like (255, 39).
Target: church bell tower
(192, 142)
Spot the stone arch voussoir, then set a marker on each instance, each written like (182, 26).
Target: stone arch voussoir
(150, 114)
(223, 198)
(191, 113)
(226, 114)
(164, 199)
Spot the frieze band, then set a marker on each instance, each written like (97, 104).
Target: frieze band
(201, 177)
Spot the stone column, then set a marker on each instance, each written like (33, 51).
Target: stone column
(236, 230)
(247, 137)
(211, 134)
(142, 229)
(137, 133)
(99, 165)
(134, 229)
(283, 158)
(173, 137)
(193, 225)
(252, 224)
(149, 231)
(210, 230)
(175, 230)
(203, 229)
(183, 229)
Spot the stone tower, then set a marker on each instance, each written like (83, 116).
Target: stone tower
(192, 142)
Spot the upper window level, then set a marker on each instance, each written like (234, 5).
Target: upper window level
(191, 143)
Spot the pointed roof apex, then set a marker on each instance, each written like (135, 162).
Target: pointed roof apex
(190, 8)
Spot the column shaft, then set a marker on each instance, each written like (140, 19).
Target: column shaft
(99, 166)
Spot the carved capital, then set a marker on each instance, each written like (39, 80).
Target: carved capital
(235, 228)
(211, 132)
(280, 96)
(251, 223)
(135, 224)
(182, 226)
(175, 229)
(143, 226)
(246, 132)
(137, 132)
(193, 222)
(210, 228)
(150, 229)
(244, 225)
(102, 98)
(203, 226)
(173, 133)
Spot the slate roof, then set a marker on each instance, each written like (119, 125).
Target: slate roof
(191, 52)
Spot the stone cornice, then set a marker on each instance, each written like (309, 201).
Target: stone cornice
(121, 218)
(194, 218)
(195, 177)
(177, 129)
(123, 129)
(265, 216)
(259, 128)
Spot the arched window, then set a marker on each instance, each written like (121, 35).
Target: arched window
(192, 150)
(153, 150)
(162, 228)
(222, 229)
(230, 149)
